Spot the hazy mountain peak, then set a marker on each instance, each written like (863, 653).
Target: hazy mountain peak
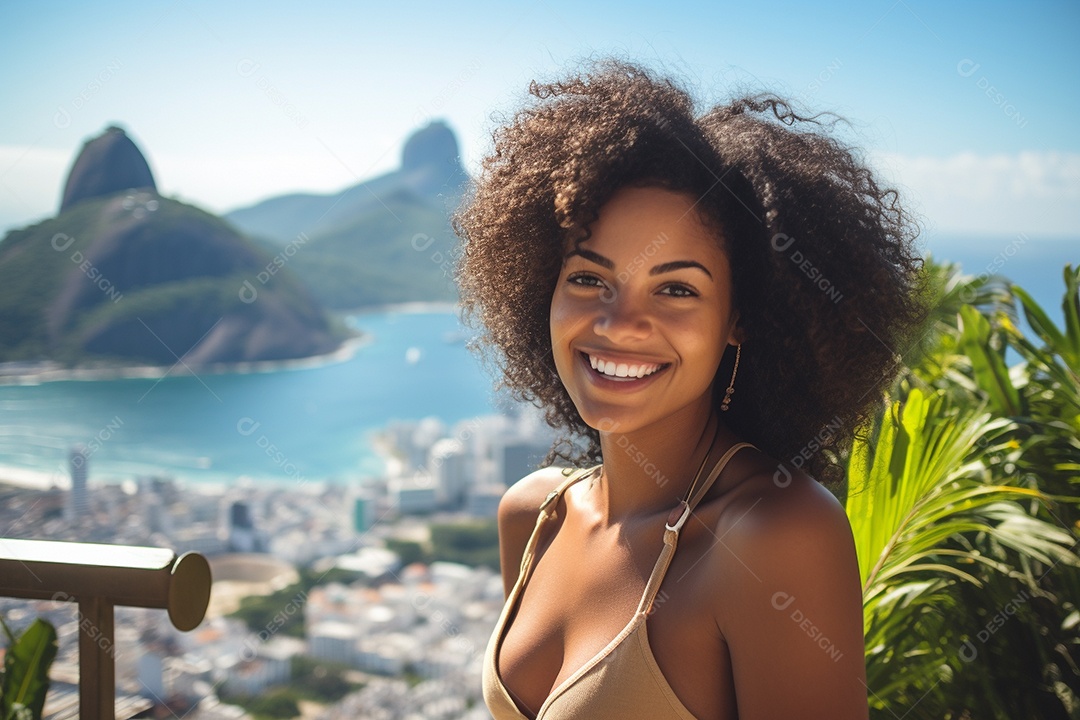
(122, 274)
(433, 145)
(107, 164)
(430, 180)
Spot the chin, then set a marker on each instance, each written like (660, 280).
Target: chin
(612, 420)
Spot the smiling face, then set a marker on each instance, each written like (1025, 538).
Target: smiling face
(642, 313)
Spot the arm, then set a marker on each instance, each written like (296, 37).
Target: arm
(518, 510)
(792, 609)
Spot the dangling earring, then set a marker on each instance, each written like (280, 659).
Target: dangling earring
(726, 402)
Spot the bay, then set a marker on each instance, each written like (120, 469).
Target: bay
(317, 423)
(1034, 263)
(303, 424)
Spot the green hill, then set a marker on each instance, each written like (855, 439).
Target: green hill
(137, 278)
(399, 252)
(385, 240)
(125, 276)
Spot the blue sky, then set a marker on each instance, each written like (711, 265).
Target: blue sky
(971, 108)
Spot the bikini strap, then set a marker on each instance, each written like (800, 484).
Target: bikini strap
(544, 514)
(557, 492)
(676, 519)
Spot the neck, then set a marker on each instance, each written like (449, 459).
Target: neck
(650, 470)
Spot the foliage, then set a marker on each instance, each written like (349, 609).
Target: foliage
(275, 704)
(315, 680)
(408, 551)
(400, 249)
(26, 670)
(264, 613)
(963, 500)
(474, 543)
(44, 314)
(320, 680)
(31, 273)
(282, 611)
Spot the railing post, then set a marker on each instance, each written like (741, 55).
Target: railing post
(97, 666)
(98, 578)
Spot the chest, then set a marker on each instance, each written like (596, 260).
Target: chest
(584, 590)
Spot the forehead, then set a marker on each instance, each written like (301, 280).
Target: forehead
(660, 221)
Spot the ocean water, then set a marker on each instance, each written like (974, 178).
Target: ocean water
(1035, 264)
(317, 423)
(312, 423)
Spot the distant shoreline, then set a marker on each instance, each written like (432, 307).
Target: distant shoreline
(50, 371)
(26, 479)
(416, 306)
(43, 371)
(13, 477)
(198, 458)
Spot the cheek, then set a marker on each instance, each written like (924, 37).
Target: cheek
(707, 346)
(560, 325)
(714, 366)
(708, 363)
(569, 318)
(563, 320)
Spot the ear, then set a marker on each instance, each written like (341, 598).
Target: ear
(737, 334)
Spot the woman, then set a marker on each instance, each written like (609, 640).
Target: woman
(709, 305)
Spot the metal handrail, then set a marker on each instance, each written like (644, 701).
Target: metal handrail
(98, 578)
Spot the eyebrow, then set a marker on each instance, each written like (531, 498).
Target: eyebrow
(679, 265)
(593, 257)
(658, 270)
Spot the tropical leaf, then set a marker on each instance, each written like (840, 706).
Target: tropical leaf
(949, 290)
(914, 486)
(1063, 343)
(1052, 372)
(903, 480)
(26, 671)
(963, 497)
(990, 372)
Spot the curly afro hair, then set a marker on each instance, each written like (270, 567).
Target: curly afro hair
(826, 277)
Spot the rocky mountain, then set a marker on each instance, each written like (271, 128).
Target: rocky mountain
(107, 164)
(125, 275)
(386, 239)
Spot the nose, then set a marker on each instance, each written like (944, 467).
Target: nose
(622, 317)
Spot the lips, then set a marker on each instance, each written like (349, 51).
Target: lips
(622, 371)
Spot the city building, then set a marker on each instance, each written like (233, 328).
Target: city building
(78, 506)
(415, 494)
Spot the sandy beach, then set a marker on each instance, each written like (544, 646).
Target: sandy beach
(34, 373)
(34, 479)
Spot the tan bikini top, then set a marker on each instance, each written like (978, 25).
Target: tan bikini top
(622, 680)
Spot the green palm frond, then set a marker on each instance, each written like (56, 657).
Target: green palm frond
(1051, 373)
(963, 498)
(1065, 343)
(988, 368)
(916, 484)
(905, 485)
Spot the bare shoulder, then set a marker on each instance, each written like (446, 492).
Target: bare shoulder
(789, 599)
(787, 530)
(518, 511)
(771, 510)
(521, 501)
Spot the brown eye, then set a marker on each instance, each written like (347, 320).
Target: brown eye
(584, 279)
(678, 290)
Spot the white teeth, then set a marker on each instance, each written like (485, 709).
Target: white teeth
(622, 370)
